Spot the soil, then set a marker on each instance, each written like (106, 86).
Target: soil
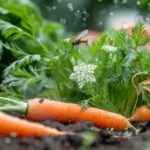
(87, 137)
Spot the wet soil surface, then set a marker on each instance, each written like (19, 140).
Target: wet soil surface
(87, 137)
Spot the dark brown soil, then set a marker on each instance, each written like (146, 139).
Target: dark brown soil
(87, 138)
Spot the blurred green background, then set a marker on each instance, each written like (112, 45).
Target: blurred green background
(77, 15)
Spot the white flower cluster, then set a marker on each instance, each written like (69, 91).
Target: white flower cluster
(83, 73)
(109, 48)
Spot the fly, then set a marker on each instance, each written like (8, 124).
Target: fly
(81, 38)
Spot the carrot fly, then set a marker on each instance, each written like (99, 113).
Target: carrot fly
(81, 38)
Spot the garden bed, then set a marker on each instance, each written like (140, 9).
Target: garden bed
(87, 137)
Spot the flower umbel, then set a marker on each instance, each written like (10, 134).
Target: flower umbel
(83, 74)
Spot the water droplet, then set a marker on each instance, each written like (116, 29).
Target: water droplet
(70, 5)
(138, 2)
(71, 9)
(115, 1)
(59, 1)
(100, 22)
(53, 7)
(100, 0)
(63, 20)
(75, 14)
(85, 12)
(124, 1)
(147, 19)
(78, 11)
(111, 13)
(84, 19)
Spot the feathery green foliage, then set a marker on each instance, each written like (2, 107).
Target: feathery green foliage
(42, 61)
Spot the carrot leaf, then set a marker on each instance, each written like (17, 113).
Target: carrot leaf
(139, 35)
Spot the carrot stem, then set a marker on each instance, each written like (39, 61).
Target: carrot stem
(129, 103)
(19, 106)
(10, 100)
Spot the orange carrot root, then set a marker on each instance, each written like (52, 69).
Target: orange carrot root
(141, 114)
(63, 112)
(13, 126)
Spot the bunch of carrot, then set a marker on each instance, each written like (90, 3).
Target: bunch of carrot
(42, 109)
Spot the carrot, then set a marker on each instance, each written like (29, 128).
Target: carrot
(42, 109)
(146, 86)
(62, 112)
(141, 114)
(10, 126)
